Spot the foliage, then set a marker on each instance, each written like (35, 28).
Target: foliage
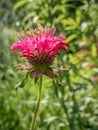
(68, 104)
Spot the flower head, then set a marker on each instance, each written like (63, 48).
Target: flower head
(40, 49)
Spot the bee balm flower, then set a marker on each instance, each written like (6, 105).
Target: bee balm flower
(40, 49)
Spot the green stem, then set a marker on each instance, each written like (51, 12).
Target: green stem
(66, 112)
(37, 105)
(62, 102)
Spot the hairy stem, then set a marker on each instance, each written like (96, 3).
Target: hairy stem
(37, 105)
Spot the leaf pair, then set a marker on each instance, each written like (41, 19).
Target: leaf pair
(22, 83)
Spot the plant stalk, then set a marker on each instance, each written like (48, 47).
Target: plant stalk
(37, 105)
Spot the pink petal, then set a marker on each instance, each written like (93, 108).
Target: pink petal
(50, 32)
(17, 46)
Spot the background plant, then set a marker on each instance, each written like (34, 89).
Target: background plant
(70, 103)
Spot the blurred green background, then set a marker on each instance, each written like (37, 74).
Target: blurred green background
(71, 104)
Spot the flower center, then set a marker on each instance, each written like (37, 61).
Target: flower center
(41, 63)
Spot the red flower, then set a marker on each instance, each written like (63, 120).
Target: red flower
(40, 49)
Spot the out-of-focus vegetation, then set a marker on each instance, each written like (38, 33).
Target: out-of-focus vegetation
(71, 104)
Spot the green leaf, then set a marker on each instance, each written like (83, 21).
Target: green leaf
(19, 4)
(71, 37)
(78, 16)
(29, 16)
(51, 119)
(22, 83)
(93, 50)
(72, 27)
